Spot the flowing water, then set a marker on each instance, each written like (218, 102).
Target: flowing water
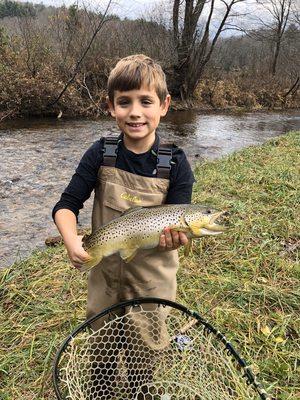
(38, 157)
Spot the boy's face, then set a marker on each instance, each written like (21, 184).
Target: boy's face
(137, 113)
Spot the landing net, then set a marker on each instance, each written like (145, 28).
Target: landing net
(153, 352)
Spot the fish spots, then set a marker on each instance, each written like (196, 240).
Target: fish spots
(142, 228)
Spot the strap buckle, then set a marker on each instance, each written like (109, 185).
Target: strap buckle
(110, 150)
(164, 158)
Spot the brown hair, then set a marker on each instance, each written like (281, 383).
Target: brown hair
(132, 72)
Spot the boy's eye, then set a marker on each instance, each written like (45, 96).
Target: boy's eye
(125, 102)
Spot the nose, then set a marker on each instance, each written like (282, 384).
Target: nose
(135, 111)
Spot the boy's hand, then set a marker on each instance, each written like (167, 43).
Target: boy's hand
(76, 252)
(171, 240)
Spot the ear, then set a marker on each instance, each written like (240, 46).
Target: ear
(110, 107)
(165, 106)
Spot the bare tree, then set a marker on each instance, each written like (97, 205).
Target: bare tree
(194, 42)
(66, 34)
(34, 43)
(96, 30)
(279, 10)
(296, 13)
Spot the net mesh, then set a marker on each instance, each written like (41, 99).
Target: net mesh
(150, 352)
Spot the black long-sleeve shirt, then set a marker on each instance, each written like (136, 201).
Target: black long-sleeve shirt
(84, 180)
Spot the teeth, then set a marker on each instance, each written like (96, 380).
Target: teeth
(135, 125)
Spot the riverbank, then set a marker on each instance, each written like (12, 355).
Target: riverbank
(246, 283)
(27, 97)
(93, 113)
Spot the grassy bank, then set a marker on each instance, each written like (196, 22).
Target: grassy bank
(246, 282)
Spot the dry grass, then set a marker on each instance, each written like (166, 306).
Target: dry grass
(246, 283)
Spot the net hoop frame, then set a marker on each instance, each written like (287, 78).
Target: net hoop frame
(246, 371)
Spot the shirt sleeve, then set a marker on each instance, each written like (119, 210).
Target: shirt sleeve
(181, 180)
(82, 182)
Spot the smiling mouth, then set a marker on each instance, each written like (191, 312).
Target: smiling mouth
(135, 125)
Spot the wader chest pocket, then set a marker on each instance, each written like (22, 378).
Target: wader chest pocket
(121, 198)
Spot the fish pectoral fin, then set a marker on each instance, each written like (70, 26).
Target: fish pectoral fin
(196, 231)
(178, 228)
(188, 247)
(128, 254)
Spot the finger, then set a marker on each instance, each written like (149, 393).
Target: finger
(76, 261)
(175, 239)
(162, 241)
(183, 238)
(76, 265)
(80, 258)
(85, 256)
(81, 255)
(169, 240)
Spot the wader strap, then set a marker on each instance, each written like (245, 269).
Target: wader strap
(164, 157)
(110, 147)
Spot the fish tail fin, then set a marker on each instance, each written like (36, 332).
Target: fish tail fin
(91, 262)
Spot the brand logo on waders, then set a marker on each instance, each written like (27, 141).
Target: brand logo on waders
(131, 198)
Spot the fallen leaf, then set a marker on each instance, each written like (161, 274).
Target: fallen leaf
(262, 279)
(266, 330)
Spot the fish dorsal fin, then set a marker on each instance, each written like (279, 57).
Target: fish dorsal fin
(131, 210)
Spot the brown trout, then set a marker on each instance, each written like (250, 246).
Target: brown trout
(141, 227)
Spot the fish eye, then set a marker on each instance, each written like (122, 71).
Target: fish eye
(208, 211)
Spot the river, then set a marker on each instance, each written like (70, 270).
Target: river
(38, 158)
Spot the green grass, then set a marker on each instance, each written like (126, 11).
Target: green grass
(246, 282)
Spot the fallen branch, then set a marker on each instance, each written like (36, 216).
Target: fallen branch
(99, 107)
(293, 89)
(9, 113)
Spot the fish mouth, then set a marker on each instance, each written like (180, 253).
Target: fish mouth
(213, 228)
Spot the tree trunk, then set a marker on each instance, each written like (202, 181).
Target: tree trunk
(275, 58)
(193, 53)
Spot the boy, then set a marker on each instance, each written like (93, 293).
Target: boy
(137, 98)
(134, 170)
